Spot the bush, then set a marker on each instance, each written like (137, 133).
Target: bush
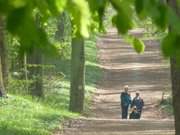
(167, 106)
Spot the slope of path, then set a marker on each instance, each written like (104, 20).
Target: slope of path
(147, 73)
(118, 127)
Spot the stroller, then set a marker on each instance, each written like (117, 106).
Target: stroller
(134, 114)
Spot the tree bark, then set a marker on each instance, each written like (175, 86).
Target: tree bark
(60, 33)
(4, 54)
(35, 73)
(26, 72)
(77, 75)
(2, 88)
(175, 78)
(35, 67)
(63, 27)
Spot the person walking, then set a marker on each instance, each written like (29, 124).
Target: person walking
(125, 102)
(138, 103)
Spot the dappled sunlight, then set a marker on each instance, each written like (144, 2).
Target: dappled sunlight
(147, 73)
(120, 127)
(135, 66)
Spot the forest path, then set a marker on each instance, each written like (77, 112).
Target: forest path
(121, 65)
(148, 73)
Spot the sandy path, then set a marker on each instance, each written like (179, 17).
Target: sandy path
(147, 73)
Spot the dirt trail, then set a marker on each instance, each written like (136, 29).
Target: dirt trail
(147, 73)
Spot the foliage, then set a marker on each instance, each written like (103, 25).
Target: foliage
(21, 15)
(80, 16)
(24, 116)
(151, 30)
(63, 33)
(18, 86)
(93, 71)
(170, 45)
(32, 24)
(138, 45)
(167, 105)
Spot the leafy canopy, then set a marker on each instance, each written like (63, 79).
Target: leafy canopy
(87, 15)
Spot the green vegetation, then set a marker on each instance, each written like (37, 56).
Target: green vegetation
(24, 115)
(93, 72)
(27, 22)
(166, 105)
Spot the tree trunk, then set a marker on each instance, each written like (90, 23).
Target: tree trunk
(63, 28)
(4, 54)
(25, 72)
(2, 88)
(77, 75)
(35, 68)
(175, 78)
(35, 73)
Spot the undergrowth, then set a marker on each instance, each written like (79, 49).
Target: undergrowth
(23, 115)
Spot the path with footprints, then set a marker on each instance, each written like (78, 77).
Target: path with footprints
(121, 65)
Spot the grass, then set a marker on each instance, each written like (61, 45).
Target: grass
(93, 72)
(166, 105)
(24, 115)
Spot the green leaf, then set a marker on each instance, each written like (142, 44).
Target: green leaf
(61, 5)
(52, 7)
(97, 11)
(81, 17)
(18, 3)
(99, 4)
(16, 19)
(139, 6)
(162, 18)
(166, 45)
(4, 6)
(174, 21)
(138, 45)
(122, 22)
(157, 10)
(170, 45)
(101, 12)
(123, 19)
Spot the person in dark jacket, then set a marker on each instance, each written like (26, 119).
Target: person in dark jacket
(125, 102)
(134, 114)
(138, 103)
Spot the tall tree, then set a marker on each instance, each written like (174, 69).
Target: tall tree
(34, 61)
(77, 74)
(80, 20)
(61, 28)
(2, 89)
(175, 76)
(2, 57)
